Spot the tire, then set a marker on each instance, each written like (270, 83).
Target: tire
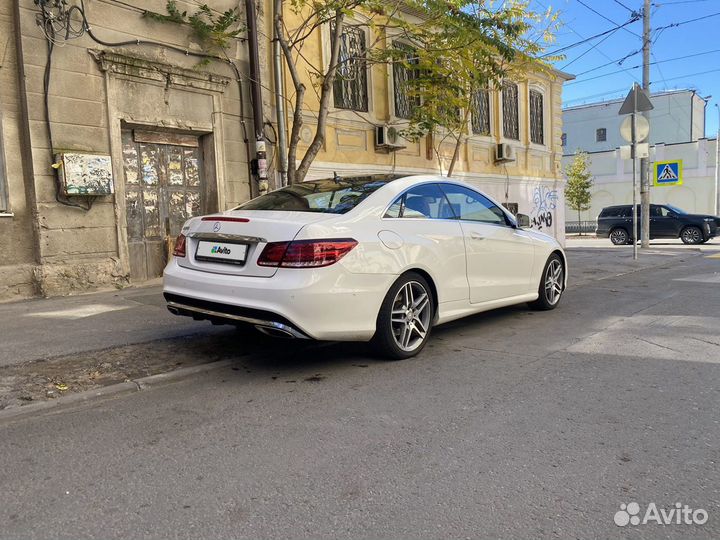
(403, 331)
(619, 236)
(552, 284)
(691, 235)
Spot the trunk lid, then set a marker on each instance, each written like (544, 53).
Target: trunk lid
(231, 242)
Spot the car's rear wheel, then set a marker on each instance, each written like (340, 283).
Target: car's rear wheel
(405, 318)
(691, 235)
(619, 237)
(552, 284)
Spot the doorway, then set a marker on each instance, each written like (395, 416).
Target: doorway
(163, 189)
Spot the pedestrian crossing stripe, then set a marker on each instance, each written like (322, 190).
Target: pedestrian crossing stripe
(668, 173)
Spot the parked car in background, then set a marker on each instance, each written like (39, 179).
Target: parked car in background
(666, 221)
(375, 258)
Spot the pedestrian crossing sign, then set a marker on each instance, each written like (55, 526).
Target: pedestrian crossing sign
(668, 173)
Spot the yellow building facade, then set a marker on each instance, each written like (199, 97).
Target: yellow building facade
(525, 115)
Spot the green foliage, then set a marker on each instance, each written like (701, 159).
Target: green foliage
(463, 47)
(579, 182)
(214, 30)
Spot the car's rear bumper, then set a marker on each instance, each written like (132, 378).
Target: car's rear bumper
(324, 303)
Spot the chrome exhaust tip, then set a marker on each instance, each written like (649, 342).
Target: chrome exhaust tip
(274, 332)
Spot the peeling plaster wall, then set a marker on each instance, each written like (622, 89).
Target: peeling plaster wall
(76, 250)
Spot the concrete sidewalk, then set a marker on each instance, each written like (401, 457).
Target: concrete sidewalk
(47, 328)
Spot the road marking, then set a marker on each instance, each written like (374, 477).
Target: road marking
(715, 256)
(79, 312)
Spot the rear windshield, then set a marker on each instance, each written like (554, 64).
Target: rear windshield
(330, 196)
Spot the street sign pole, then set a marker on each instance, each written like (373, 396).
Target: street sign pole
(637, 101)
(633, 155)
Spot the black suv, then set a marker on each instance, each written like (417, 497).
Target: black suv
(666, 221)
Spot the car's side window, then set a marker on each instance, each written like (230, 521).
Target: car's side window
(425, 201)
(471, 206)
(666, 212)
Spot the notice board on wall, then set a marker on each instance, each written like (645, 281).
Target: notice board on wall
(86, 174)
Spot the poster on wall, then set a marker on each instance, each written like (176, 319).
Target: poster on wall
(86, 174)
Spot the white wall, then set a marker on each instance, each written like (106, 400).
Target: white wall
(677, 117)
(613, 179)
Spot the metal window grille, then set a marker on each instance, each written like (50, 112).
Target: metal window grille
(350, 85)
(537, 134)
(4, 204)
(481, 112)
(511, 125)
(601, 135)
(402, 79)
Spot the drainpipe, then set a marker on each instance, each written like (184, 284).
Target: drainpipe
(281, 150)
(256, 95)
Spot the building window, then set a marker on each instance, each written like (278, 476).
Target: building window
(350, 85)
(511, 125)
(481, 112)
(403, 75)
(563, 139)
(601, 135)
(4, 202)
(537, 134)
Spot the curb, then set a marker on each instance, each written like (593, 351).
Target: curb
(114, 390)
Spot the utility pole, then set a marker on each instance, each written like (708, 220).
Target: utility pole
(645, 162)
(716, 204)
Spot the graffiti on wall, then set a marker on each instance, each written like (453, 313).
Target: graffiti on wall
(544, 205)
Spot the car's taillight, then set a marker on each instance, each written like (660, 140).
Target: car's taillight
(179, 250)
(305, 253)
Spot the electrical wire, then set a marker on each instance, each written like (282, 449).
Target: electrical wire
(601, 34)
(623, 5)
(596, 12)
(592, 48)
(640, 65)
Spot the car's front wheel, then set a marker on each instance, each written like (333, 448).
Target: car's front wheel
(691, 235)
(552, 284)
(619, 237)
(405, 318)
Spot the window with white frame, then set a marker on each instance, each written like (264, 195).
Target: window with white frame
(4, 197)
(537, 118)
(510, 105)
(481, 112)
(350, 88)
(403, 75)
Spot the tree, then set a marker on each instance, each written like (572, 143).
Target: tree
(579, 182)
(467, 47)
(461, 45)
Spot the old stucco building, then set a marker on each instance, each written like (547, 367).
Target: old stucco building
(167, 137)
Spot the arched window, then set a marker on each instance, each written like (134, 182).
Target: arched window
(537, 118)
(511, 119)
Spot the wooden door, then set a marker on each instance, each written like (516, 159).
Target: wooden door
(163, 187)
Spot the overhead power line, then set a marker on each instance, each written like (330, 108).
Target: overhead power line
(596, 12)
(623, 5)
(601, 34)
(640, 65)
(636, 66)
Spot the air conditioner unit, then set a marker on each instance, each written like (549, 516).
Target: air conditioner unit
(388, 138)
(504, 153)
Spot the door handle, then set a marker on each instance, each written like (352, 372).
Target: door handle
(476, 236)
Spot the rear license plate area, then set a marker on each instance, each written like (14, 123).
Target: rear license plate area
(221, 252)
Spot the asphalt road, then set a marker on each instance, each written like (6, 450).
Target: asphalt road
(511, 424)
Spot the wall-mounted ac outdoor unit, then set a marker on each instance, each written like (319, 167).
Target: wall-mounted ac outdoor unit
(504, 153)
(388, 138)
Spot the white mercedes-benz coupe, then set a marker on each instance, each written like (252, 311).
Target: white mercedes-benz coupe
(381, 258)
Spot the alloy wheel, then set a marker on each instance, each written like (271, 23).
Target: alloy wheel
(691, 235)
(618, 237)
(411, 312)
(554, 282)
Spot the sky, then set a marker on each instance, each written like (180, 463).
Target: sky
(676, 50)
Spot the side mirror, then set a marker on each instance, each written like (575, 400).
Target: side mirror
(523, 220)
